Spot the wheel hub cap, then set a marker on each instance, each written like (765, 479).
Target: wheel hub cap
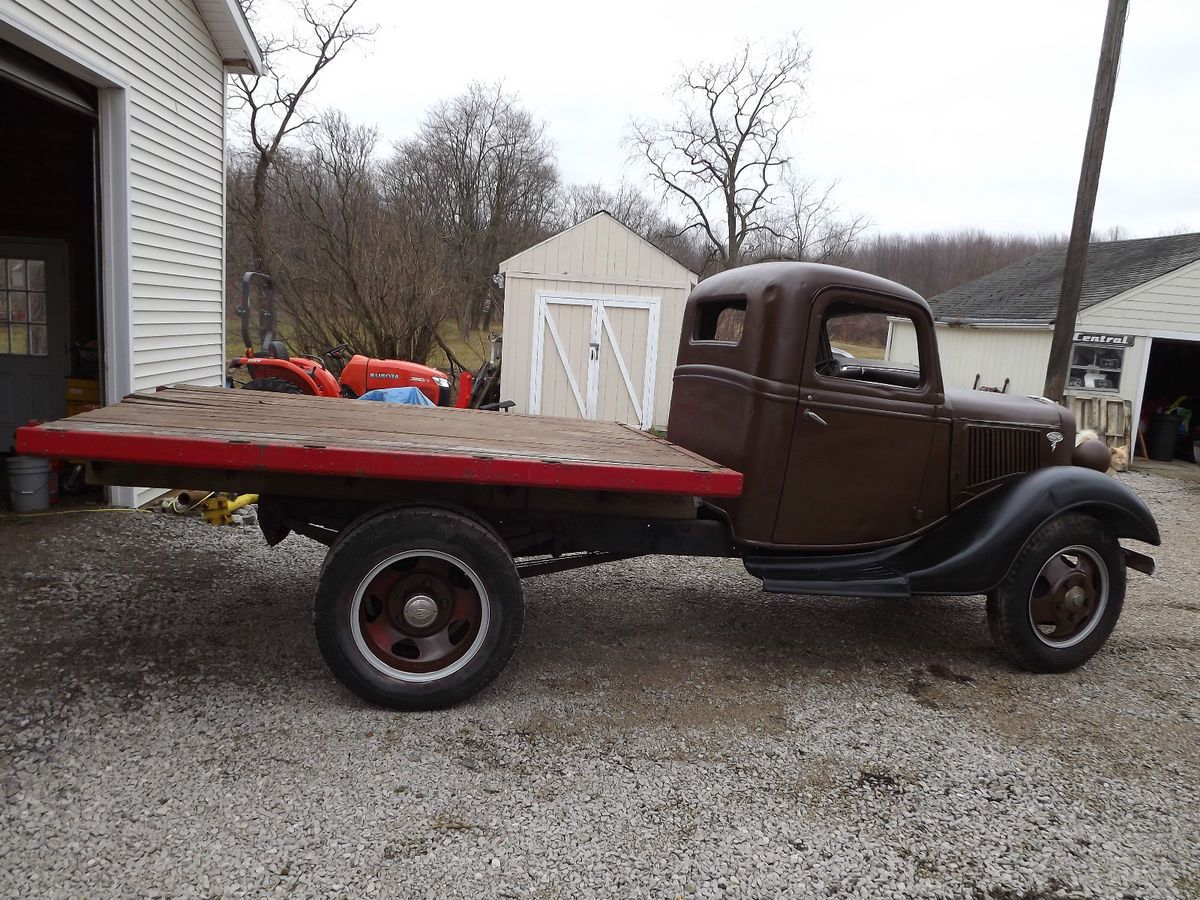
(1069, 596)
(420, 611)
(1076, 598)
(420, 615)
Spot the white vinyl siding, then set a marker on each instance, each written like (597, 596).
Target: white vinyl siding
(1019, 354)
(599, 256)
(1167, 304)
(176, 128)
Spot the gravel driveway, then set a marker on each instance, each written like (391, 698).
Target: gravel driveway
(168, 728)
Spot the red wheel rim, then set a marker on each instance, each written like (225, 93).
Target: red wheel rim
(1068, 597)
(420, 615)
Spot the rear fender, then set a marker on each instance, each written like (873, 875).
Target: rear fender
(972, 552)
(267, 367)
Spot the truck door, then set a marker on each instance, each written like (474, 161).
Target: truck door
(864, 427)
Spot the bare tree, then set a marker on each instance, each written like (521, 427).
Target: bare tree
(638, 212)
(808, 225)
(723, 154)
(935, 262)
(354, 263)
(482, 170)
(272, 103)
(625, 203)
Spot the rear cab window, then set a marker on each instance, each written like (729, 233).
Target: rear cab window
(721, 321)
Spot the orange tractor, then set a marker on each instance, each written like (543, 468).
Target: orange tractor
(335, 373)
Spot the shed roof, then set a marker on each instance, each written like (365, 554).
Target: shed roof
(601, 219)
(1027, 291)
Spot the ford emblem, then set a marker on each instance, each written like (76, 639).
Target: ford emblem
(1055, 438)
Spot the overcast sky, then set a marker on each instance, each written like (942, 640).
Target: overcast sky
(932, 114)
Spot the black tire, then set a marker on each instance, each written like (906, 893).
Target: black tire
(274, 385)
(1041, 579)
(439, 558)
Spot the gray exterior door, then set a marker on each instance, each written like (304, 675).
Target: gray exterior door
(34, 332)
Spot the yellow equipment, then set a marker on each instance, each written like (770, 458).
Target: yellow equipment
(219, 509)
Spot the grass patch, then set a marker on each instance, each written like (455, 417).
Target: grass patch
(860, 351)
(471, 349)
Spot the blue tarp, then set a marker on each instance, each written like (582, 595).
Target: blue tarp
(409, 395)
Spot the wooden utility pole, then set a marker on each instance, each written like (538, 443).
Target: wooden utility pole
(1085, 199)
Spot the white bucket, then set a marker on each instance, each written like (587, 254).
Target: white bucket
(28, 483)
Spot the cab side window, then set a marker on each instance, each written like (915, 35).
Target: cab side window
(853, 345)
(721, 321)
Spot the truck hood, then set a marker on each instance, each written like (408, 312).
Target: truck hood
(1008, 409)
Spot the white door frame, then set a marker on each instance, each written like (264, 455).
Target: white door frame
(1149, 338)
(114, 255)
(587, 400)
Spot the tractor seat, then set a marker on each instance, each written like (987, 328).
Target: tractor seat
(274, 350)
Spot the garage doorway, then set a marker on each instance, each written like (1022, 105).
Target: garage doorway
(595, 357)
(50, 325)
(1172, 384)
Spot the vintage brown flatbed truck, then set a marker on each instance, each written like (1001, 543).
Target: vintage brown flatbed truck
(824, 475)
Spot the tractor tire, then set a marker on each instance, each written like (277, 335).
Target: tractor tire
(418, 607)
(273, 385)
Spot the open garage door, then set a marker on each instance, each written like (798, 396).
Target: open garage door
(595, 357)
(1170, 403)
(49, 302)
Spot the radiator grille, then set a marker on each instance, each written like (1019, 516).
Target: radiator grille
(996, 452)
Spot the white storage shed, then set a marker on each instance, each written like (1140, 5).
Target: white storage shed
(591, 325)
(1137, 336)
(112, 224)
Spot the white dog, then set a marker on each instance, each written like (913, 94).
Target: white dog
(1118, 456)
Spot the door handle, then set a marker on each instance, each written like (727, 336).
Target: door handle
(809, 414)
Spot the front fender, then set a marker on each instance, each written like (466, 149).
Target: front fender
(972, 551)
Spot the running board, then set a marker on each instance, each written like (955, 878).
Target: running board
(800, 575)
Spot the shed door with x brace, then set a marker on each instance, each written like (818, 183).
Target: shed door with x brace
(594, 357)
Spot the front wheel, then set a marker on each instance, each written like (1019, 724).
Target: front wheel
(1061, 598)
(418, 608)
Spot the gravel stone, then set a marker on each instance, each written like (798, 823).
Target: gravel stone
(167, 728)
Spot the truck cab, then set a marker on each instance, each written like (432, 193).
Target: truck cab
(840, 453)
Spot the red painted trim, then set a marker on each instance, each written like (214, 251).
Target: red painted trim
(209, 453)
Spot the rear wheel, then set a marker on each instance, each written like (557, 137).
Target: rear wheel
(418, 608)
(274, 385)
(1062, 597)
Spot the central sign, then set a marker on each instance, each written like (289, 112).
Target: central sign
(1112, 340)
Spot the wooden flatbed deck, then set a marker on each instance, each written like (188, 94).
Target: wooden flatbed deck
(194, 429)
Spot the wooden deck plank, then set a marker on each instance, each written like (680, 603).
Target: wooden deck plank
(193, 428)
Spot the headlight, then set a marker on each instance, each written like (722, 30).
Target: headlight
(442, 382)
